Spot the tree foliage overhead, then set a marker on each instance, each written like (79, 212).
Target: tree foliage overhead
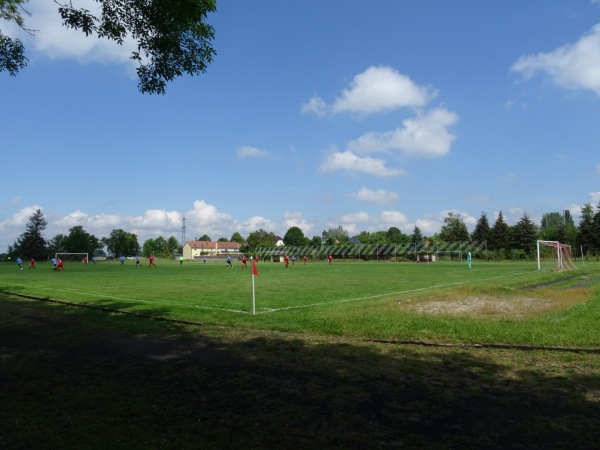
(172, 36)
(12, 51)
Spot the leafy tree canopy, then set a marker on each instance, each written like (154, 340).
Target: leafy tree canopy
(121, 243)
(261, 238)
(79, 241)
(237, 237)
(454, 229)
(295, 237)
(172, 37)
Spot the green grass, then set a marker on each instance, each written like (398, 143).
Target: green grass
(353, 299)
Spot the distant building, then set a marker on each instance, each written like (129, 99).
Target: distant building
(200, 249)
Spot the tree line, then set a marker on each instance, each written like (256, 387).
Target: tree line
(516, 241)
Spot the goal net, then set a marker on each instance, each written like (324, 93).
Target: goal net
(448, 255)
(79, 257)
(552, 255)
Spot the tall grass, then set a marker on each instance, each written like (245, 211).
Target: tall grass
(375, 300)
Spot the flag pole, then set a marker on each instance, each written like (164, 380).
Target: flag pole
(253, 297)
(254, 273)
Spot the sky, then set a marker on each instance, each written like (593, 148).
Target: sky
(315, 114)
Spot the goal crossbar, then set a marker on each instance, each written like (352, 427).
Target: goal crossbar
(71, 256)
(561, 254)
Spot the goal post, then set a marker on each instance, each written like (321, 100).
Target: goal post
(553, 255)
(68, 256)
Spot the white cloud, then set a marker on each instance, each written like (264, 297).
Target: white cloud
(256, 223)
(55, 41)
(352, 163)
(295, 219)
(316, 106)
(389, 219)
(375, 90)
(378, 196)
(423, 136)
(571, 66)
(595, 197)
(468, 219)
(251, 152)
(598, 166)
(428, 226)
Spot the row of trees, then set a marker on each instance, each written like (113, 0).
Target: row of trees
(33, 244)
(498, 237)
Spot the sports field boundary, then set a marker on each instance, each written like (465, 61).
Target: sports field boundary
(494, 346)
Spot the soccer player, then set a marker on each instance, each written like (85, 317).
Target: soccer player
(85, 260)
(228, 264)
(59, 265)
(151, 259)
(32, 263)
(287, 261)
(122, 259)
(304, 259)
(19, 262)
(330, 259)
(181, 260)
(137, 262)
(53, 261)
(244, 260)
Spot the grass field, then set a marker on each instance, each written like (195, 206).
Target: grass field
(508, 303)
(309, 370)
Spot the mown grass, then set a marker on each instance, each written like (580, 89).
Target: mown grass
(305, 372)
(356, 299)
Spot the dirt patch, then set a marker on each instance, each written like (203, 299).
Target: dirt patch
(483, 306)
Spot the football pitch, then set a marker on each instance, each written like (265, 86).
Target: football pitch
(492, 302)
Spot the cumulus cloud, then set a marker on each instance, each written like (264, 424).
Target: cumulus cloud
(295, 219)
(389, 219)
(356, 164)
(428, 226)
(378, 196)
(251, 152)
(572, 66)
(595, 197)
(424, 136)
(256, 223)
(55, 41)
(375, 90)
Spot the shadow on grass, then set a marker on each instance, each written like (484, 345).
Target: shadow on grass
(77, 378)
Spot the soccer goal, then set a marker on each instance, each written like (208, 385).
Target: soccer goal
(79, 257)
(448, 255)
(552, 255)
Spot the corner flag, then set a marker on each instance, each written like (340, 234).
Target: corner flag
(254, 272)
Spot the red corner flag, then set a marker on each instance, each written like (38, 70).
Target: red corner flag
(254, 269)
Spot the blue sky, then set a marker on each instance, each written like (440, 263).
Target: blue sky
(314, 114)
